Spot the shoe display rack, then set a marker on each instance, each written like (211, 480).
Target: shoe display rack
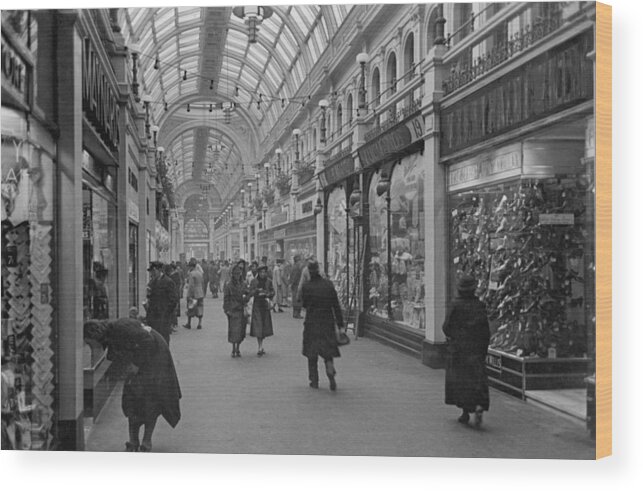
(525, 243)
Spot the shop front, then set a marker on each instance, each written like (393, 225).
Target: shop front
(521, 216)
(288, 240)
(29, 365)
(394, 290)
(341, 235)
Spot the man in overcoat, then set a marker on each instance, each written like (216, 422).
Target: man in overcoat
(323, 313)
(161, 301)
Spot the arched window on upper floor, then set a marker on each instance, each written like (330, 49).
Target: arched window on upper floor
(431, 30)
(409, 58)
(339, 119)
(376, 88)
(391, 75)
(349, 108)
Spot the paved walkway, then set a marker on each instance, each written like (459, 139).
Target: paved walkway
(387, 404)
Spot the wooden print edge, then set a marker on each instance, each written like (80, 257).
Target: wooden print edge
(603, 230)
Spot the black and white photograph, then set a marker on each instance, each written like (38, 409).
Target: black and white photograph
(360, 230)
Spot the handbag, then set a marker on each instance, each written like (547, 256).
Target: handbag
(342, 337)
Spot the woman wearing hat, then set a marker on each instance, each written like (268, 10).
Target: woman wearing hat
(261, 290)
(151, 387)
(235, 296)
(467, 330)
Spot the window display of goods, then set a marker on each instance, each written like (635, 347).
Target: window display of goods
(525, 243)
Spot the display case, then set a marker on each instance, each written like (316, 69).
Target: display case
(524, 241)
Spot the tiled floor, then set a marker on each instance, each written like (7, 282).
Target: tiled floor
(387, 404)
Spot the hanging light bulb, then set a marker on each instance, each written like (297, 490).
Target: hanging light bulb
(283, 103)
(188, 107)
(185, 74)
(210, 110)
(236, 91)
(157, 63)
(211, 84)
(165, 105)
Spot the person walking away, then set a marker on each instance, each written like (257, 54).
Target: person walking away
(277, 282)
(151, 386)
(213, 275)
(235, 297)
(323, 313)
(261, 290)
(295, 276)
(467, 330)
(161, 301)
(195, 294)
(173, 273)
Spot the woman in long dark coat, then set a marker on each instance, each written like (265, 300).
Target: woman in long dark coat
(235, 297)
(323, 313)
(261, 290)
(467, 330)
(151, 388)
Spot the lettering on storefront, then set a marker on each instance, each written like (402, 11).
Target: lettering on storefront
(392, 143)
(494, 361)
(99, 98)
(279, 234)
(552, 82)
(502, 163)
(14, 71)
(556, 219)
(337, 171)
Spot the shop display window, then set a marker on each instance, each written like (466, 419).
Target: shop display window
(99, 259)
(337, 250)
(526, 244)
(403, 281)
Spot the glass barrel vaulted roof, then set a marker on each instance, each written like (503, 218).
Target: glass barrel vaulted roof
(201, 56)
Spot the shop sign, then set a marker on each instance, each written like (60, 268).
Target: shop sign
(100, 103)
(279, 234)
(556, 219)
(14, 71)
(494, 361)
(307, 207)
(337, 171)
(492, 165)
(554, 81)
(392, 143)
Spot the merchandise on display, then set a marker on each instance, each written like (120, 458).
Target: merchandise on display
(525, 244)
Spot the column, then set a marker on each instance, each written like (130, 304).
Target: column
(181, 231)
(143, 220)
(436, 229)
(69, 253)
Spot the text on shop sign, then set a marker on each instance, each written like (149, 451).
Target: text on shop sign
(485, 167)
(392, 142)
(337, 171)
(14, 69)
(100, 103)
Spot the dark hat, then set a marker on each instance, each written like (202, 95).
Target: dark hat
(467, 284)
(192, 262)
(263, 267)
(155, 265)
(313, 266)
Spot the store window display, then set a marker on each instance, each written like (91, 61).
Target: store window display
(99, 263)
(524, 241)
(404, 280)
(336, 254)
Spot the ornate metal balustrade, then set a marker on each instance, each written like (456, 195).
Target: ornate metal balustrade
(393, 119)
(463, 73)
